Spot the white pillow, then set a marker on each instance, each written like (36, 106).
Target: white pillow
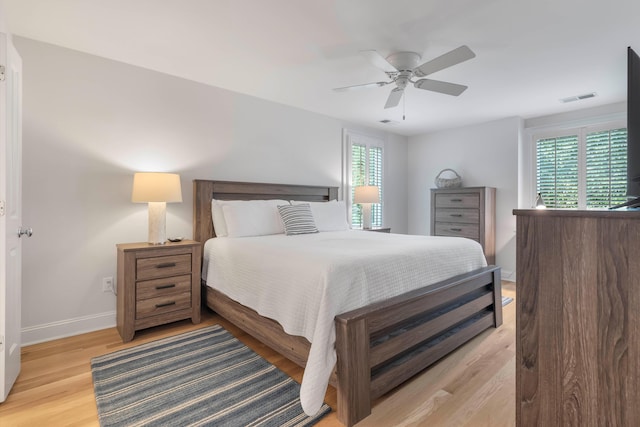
(329, 216)
(253, 218)
(219, 225)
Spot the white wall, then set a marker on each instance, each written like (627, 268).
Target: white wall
(90, 123)
(484, 155)
(396, 191)
(3, 23)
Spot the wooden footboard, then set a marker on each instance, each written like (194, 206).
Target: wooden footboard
(384, 344)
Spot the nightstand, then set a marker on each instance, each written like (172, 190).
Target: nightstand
(157, 284)
(379, 229)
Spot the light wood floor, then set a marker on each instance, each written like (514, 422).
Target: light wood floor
(474, 386)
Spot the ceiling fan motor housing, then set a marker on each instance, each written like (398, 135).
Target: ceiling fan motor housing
(404, 61)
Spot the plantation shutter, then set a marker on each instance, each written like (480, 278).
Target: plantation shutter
(365, 169)
(586, 169)
(606, 163)
(358, 177)
(375, 178)
(557, 171)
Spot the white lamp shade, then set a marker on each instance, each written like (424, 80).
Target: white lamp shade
(367, 194)
(156, 187)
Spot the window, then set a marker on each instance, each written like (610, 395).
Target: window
(557, 171)
(364, 168)
(583, 168)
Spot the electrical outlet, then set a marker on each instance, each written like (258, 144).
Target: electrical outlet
(107, 284)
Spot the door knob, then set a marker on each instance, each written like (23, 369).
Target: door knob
(25, 232)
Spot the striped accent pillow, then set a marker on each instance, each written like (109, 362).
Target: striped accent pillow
(297, 219)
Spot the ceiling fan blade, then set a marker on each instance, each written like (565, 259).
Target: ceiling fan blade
(379, 61)
(394, 98)
(363, 86)
(456, 56)
(441, 87)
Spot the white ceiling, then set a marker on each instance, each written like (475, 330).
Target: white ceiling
(530, 53)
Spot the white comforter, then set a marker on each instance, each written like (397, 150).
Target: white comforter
(304, 281)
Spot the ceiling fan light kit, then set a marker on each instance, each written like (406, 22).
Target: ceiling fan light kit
(402, 67)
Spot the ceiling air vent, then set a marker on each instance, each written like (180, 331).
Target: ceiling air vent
(578, 97)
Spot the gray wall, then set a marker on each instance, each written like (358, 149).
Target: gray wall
(90, 123)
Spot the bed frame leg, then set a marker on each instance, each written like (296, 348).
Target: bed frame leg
(354, 374)
(497, 298)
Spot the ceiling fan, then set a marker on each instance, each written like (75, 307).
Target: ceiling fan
(402, 67)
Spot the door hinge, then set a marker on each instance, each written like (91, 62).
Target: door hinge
(1, 207)
(2, 73)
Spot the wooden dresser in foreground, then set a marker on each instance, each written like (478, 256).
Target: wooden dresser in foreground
(157, 284)
(466, 212)
(578, 318)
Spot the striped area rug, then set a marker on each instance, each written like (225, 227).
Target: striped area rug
(204, 377)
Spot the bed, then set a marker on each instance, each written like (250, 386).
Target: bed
(377, 346)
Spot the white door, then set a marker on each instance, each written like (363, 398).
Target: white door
(10, 213)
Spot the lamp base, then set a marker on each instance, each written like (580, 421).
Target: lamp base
(366, 216)
(157, 223)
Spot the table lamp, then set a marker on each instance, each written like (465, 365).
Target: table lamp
(157, 189)
(365, 195)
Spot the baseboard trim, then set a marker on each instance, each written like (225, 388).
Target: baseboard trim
(67, 328)
(508, 275)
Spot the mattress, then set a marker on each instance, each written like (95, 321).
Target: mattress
(304, 281)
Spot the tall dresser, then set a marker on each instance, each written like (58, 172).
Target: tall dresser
(578, 318)
(466, 212)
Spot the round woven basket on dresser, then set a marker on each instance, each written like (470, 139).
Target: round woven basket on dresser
(448, 182)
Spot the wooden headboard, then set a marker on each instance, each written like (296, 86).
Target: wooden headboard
(204, 191)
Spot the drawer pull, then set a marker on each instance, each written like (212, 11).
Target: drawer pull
(456, 200)
(173, 285)
(166, 265)
(166, 304)
(456, 215)
(455, 229)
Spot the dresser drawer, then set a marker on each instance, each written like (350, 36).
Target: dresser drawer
(471, 231)
(471, 216)
(162, 266)
(165, 286)
(163, 304)
(465, 212)
(459, 200)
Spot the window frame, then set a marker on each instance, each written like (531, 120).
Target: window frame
(581, 130)
(350, 138)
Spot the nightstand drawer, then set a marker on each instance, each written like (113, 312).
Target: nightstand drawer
(162, 266)
(160, 287)
(457, 230)
(471, 216)
(163, 304)
(462, 200)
